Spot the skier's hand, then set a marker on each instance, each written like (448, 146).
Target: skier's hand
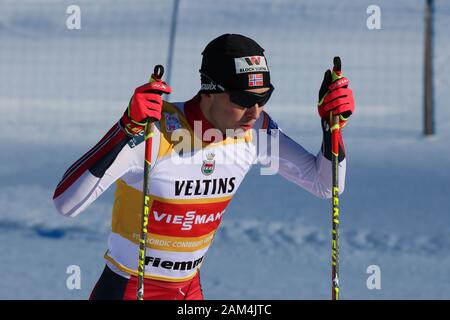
(145, 105)
(335, 98)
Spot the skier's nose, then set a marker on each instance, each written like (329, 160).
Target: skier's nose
(254, 112)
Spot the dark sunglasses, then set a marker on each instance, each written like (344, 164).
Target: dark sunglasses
(248, 99)
(245, 99)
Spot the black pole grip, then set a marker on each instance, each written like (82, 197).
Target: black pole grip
(158, 72)
(337, 66)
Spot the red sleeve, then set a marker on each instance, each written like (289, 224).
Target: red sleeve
(112, 142)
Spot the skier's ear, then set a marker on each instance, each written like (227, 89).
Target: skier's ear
(206, 98)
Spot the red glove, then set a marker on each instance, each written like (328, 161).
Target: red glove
(145, 105)
(335, 97)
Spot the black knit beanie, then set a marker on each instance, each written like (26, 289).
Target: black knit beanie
(233, 62)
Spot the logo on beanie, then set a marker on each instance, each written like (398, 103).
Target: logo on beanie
(251, 64)
(208, 86)
(255, 80)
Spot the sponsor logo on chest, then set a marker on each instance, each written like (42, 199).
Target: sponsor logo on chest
(205, 187)
(172, 122)
(208, 164)
(187, 220)
(172, 265)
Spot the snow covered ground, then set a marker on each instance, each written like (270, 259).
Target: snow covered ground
(60, 92)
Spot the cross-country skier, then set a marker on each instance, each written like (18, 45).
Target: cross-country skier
(192, 183)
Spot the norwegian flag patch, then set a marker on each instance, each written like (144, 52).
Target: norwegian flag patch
(255, 80)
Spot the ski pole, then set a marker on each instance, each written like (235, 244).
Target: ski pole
(335, 133)
(157, 75)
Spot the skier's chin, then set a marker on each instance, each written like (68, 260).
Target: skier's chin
(245, 127)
